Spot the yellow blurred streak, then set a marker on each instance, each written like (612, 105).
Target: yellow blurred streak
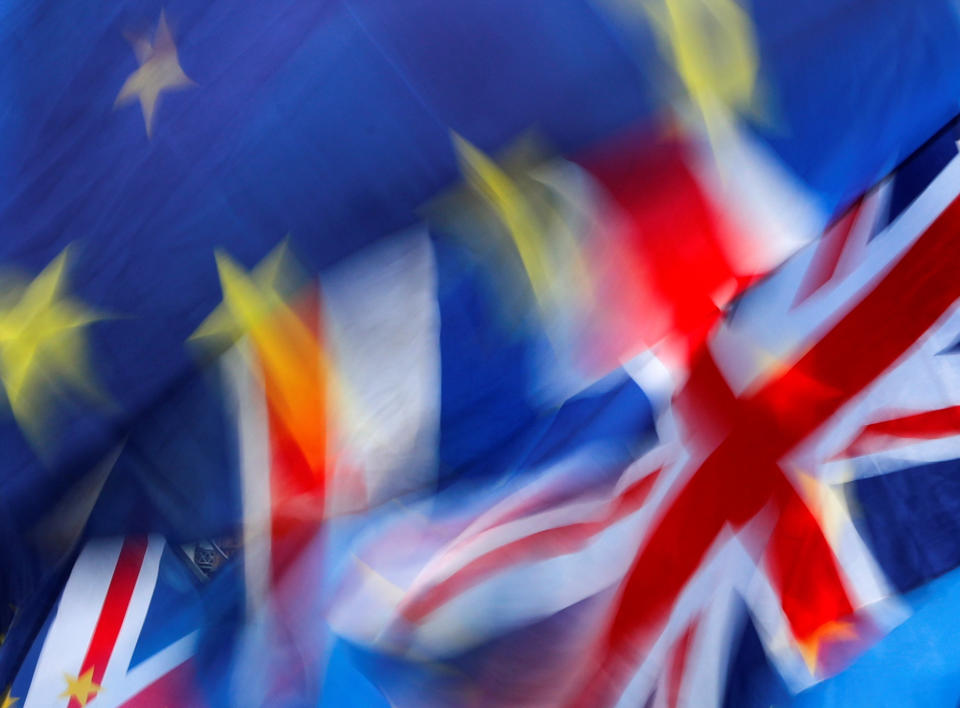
(43, 347)
(500, 192)
(547, 246)
(827, 503)
(713, 47)
(248, 299)
(294, 366)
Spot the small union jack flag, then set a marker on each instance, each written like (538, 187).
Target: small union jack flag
(123, 632)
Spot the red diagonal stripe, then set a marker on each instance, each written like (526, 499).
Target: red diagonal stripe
(927, 425)
(801, 565)
(677, 664)
(741, 476)
(114, 609)
(827, 256)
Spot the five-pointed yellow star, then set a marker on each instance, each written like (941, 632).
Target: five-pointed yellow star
(42, 345)
(159, 71)
(250, 300)
(8, 700)
(82, 688)
(294, 368)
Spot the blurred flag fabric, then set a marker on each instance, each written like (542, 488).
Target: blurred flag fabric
(814, 566)
(566, 352)
(127, 619)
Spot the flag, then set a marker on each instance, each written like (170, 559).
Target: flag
(273, 277)
(122, 169)
(123, 631)
(726, 517)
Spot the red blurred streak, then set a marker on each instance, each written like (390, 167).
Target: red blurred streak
(297, 494)
(678, 664)
(928, 425)
(114, 609)
(297, 489)
(830, 248)
(541, 500)
(666, 271)
(548, 543)
(741, 477)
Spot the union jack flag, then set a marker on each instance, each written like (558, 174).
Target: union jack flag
(123, 632)
(835, 367)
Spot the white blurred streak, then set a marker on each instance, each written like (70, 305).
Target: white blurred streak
(133, 619)
(143, 673)
(382, 321)
(64, 645)
(923, 381)
(532, 591)
(280, 650)
(709, 606)
(250, 408)
(516, 595)
(655, 379)
(709, 656)
(772, 205)
(771, 320)
(251, 665)
(494, 529)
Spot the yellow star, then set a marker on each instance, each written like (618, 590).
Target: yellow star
(82, 688)
(8, 700)
(712, 45)
(159, 71)
(484, 176)
(249, 299)
(42, 345)
(553, 265)
(295, 370)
